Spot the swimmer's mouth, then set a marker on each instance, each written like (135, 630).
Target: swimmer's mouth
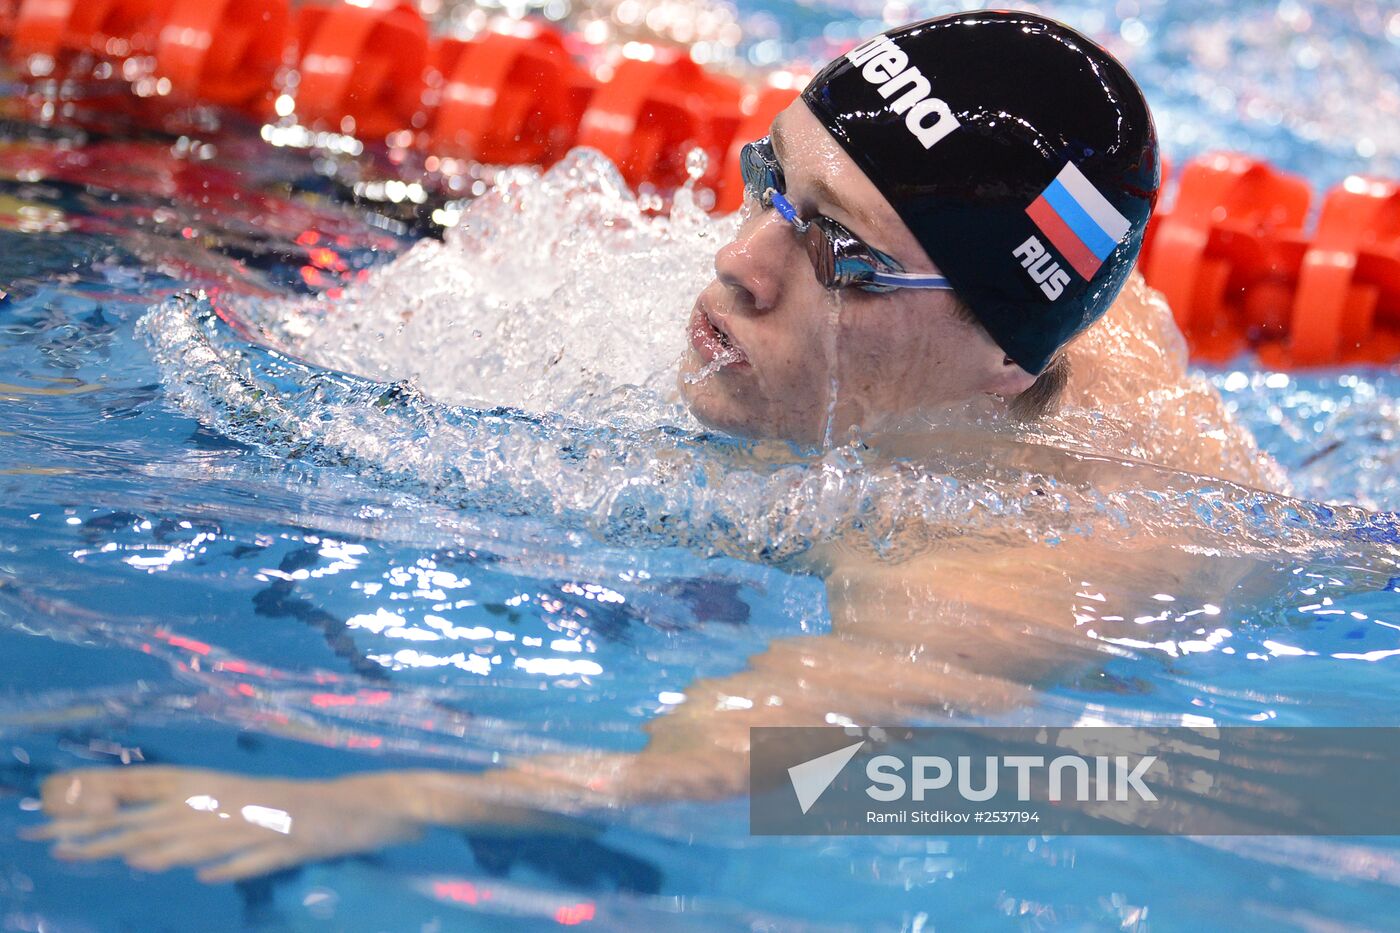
(724, 338)
(711, 340)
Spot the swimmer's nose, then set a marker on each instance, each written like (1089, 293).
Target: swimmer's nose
(757, 261)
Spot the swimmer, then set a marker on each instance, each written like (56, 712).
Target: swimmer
(939, 227)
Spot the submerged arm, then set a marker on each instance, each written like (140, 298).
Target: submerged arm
(940, 634)
(969, 632)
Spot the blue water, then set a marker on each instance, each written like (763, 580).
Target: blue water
(201, 591)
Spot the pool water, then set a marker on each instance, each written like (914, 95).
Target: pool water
(252, 517)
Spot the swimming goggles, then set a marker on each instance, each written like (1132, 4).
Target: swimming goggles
(839, 257)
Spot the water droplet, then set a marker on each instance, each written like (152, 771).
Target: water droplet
(696, 162)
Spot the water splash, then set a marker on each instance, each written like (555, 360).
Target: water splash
(526, 366)
(727, 357)
(545, 297)
(664, 486)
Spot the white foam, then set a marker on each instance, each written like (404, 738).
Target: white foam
(554, 293)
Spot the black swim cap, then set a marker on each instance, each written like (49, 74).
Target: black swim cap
(1020, 155)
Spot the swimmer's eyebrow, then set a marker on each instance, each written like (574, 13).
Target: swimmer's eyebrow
(821, 186)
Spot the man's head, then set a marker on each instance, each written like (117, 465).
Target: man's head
(1000, 150)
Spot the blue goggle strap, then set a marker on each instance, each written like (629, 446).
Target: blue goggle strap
(884, 279)
(910, 280)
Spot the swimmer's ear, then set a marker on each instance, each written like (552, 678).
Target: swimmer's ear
(1009, 380)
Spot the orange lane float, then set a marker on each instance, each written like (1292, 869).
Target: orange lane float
(1346, 306)
(1233, 254)
(223, 52)
(1218, 243)
(361, 67)
(653, 112)
(760, 107)
(509, 98)
(114, 28)
(1241, 271)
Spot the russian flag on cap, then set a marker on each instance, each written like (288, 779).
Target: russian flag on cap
(1078, 220)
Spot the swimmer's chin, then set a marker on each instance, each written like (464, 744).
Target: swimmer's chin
(720, 412)
(711, 405)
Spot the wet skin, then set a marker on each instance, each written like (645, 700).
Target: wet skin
(889, 356)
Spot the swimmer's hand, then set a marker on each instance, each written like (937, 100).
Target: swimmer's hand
(232, 827)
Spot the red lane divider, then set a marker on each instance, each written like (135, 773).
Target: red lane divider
(1349, 277)
(1233, 256)
(760, 108)
(116, 28)
(1239, 269)
(509, 98)
(223, 52)
(366, 63)
(653, 112)
(1217, 241)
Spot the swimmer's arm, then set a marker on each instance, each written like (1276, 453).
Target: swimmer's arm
(971, 632)
(945, 635)
(974, 632)
(868, 670)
